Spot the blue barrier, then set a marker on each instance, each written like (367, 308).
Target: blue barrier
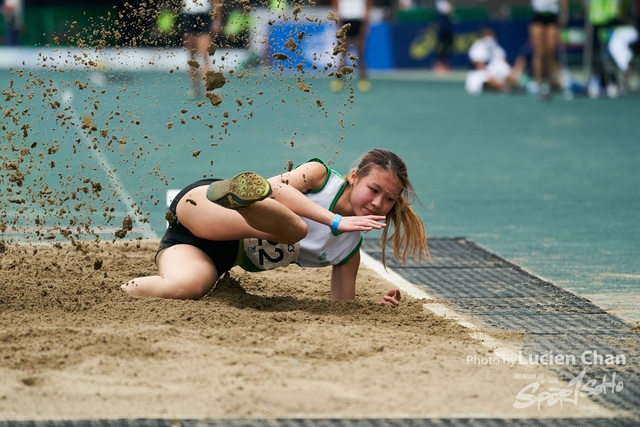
(389, 46)
(313, 45)
(415, 44)
(379, 48)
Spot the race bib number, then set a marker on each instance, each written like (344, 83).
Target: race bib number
(266, 255)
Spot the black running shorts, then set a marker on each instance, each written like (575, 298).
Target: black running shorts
(222, 253)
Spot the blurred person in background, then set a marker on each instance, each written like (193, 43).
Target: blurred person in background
(624, 43)
(357, 14)
(444, 9)
(490, 69)
(198, 19)
(13, 21)
(548, 16)
(604, 16)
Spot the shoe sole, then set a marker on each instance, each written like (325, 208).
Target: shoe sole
(240, 191)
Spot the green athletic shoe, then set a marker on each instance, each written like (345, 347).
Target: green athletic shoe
(240, 191)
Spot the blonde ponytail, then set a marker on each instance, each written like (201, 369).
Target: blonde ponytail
(409, 236)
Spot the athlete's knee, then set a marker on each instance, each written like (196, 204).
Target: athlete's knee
(185, 290)
(299, 231)
(295, 231)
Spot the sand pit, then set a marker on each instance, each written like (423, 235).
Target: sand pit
(74, 346)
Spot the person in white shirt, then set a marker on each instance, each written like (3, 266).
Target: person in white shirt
(311, 216)
(444, 9)
(490, 69)
(198, 20)
(548, 15)
(13, 21)
(357, 14)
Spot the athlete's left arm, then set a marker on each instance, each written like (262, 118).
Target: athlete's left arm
(343, 279)
(289, 188)
(343, 283)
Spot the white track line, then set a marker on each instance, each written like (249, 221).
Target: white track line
(110, 172)
(500, 349)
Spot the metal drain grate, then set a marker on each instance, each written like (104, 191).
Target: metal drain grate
(479, 282)
(446, 253)
(559, 303)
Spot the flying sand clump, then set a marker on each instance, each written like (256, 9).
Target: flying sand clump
(214, 80)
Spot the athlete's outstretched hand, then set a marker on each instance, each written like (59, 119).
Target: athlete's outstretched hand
(361, 223)
(392, 297)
